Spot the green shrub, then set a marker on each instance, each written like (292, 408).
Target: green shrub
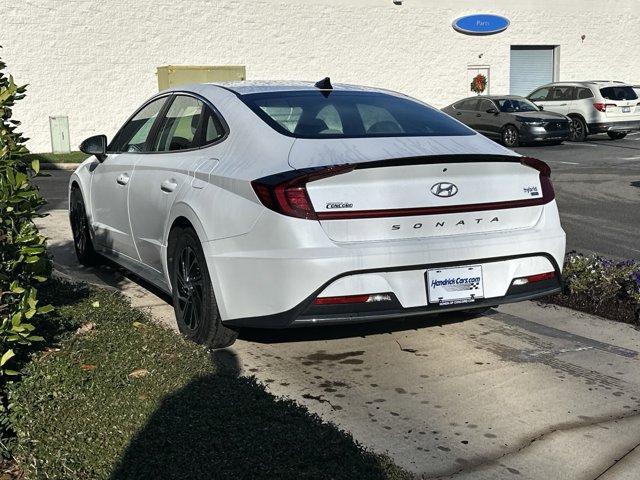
(24, 262)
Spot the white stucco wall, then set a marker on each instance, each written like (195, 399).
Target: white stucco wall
(95, 61)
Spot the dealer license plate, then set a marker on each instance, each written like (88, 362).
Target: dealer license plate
(447, 286)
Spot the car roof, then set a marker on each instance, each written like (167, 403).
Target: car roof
(587, 83)
(265, 86)
(493, 97)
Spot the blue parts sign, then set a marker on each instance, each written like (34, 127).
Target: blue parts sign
(481, 24)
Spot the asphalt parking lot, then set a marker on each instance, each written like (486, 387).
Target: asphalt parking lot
(597, 185)
(528, 391)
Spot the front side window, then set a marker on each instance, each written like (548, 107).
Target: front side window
(618, 93)
(514, 105)
(540, 95)
(180, 126)
(344, 114)
(133, 136)
(484, 105)
(560, 94)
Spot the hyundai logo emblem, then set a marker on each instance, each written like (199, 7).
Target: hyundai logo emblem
(444, 189)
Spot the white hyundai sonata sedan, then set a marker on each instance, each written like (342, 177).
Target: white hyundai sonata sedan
(275, 205)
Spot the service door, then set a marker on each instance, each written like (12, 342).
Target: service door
(531, 67)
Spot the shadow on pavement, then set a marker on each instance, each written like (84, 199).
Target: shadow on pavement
(225, 426)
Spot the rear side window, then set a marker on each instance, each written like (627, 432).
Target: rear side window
(342, 114)
(469, 104)
(619, 93)
(584, 93)
(179, 127)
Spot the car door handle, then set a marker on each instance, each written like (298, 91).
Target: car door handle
(168, 186)
(123, 179)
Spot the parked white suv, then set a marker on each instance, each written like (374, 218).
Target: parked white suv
(594, 106)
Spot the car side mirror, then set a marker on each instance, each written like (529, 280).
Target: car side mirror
(492, 110)
(541, 107)
(96, 146)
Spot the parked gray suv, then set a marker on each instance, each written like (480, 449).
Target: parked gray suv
(594, 106)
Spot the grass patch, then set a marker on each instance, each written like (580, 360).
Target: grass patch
(72, 157)
(128, 399)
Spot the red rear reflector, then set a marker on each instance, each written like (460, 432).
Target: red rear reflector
(368, 298)
(541, 276)
(341, 300)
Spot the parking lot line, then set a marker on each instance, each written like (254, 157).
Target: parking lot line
(583, 144)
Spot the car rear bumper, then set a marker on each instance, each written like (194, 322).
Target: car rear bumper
(271, 276)
(307, 314)
(625, 126)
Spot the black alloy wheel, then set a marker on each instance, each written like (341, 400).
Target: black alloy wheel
(82, 242)
(189, 288)
(616, 135)
(510, 136)
(194, 301)
(577, 130)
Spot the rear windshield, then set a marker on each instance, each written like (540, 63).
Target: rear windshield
(340, 114)
(619, 93)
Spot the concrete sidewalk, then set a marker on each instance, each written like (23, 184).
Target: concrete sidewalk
(529, 391)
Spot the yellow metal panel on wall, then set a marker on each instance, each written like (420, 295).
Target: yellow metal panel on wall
(174, 75)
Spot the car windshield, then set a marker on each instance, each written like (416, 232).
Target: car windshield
(619, 93)
(510, 105)
(341, 114)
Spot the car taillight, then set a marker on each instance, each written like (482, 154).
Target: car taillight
(601, 107)
(290, 196)
(548, 193)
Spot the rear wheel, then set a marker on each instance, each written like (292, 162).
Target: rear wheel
(510, 136)
(577, 130)
(82, 242)
(194, 302)
(616, 135)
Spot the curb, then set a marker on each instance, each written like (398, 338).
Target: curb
(59, 166)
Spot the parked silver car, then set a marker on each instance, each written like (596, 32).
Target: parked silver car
(597, 106)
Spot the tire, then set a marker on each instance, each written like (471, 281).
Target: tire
(577, 130)
(510, 136)
(194, 302)
(82, 243)
(616, 135)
